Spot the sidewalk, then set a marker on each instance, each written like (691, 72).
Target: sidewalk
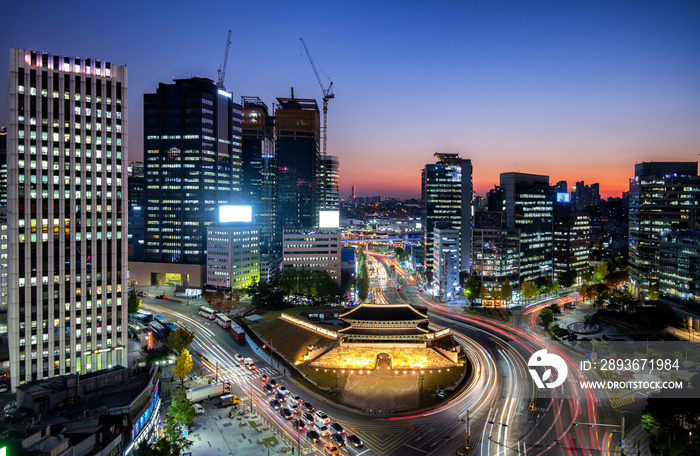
(636, 442)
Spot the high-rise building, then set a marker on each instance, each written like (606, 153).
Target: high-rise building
(663, 196)
(67, 209)
(137, 202)
(3, 167)
(679, 271)
(446, 190)
(192, 153)
(330, 179)
(259, 179)
(297, 126)
(571, 240)
(528, 206)
(495, 257)
(584, 197)
(446, 261)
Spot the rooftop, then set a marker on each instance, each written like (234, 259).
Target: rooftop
(385, 313)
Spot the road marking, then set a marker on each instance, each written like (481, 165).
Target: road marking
(406, 444)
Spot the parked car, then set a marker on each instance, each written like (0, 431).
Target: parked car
(313, 436)
(275, 404)
(338, 439)
(336, 427)
(355, 441)
(320, 415)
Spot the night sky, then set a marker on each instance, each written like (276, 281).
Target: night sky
(577, 90)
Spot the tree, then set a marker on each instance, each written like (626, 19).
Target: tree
(583, 291)
(650, 424)
(568, 278)
(653, 293)
(134, 303)
(506, 291)
(600, 271)
(471, 288)
(180, 339)
(556, 310)
(183, 366)
(157, 355)
(400, 255)
(528, 290)
(546, 316)
(172, 442)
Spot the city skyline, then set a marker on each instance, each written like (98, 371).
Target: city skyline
(540, 88)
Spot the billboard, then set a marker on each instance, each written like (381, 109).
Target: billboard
(230, 213)
(329, 219)
(563, 197)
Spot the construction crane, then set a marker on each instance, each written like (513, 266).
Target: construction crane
(222, 67)
(327, 95)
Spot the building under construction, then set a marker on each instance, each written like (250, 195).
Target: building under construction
(298, 132)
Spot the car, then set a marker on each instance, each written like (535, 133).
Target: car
(307, 418)
(313, 436)
(141, 294)
(321, 416)
(264, 378)
(275, 404)
(286, 414)
(3, 388)
(323, 430)
(238, 357)
(307, 406)
(293, 408)
(296, 399)
(161, 297)
(273, 382)
(268, 389)
(283, 390)
(198, 409)
(355, 441)
(298, 424)
(280, 397)
(331, 449)
(338, 439)
(336, 427)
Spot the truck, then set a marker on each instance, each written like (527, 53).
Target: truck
(237, 333)
(205, 392)
(249, 363)
(229, 400)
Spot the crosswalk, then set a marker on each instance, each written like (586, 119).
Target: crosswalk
(622, 400)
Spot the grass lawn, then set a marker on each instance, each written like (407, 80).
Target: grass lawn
(287, 338)
(435, 378)
(324, 377)
(498, 314)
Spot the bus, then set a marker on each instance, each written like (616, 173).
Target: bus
(158, 329)
(170, 327)
(223, 321)
(146, 316)
(237, 332)
(207, 312)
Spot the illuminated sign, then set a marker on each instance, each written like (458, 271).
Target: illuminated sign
(235, 214)
(329, 219)
(563, 198)
(224, 93)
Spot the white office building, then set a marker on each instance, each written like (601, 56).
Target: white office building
(233, 255)
(67, 209)
(446, 260)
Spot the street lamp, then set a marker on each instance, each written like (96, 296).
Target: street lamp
(337, 375)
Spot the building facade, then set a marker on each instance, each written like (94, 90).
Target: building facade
(297, 130)
(663, 196)
(67, 215)
(495, 257)
(528, 206)
(571, 240)
(233, 255)
(259, 179)
(445, 261)
(137, 210)
(313, 250)
(330, 179)
(192, 153)
(446, 190)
